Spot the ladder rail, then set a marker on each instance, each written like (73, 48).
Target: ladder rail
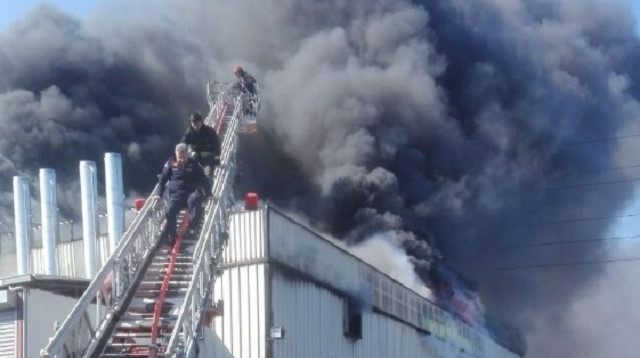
(157, 312)
(107, 294)
(215, 98)
(78, 335)
(208, 248)
(110, 285)
(225, 170)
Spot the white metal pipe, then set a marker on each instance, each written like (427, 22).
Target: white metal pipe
(89, 192)
(115, 198)
(22, 211)
(49, 219)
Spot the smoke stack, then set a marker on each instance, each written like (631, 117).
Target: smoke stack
(115, 196)
(22, 210)
(49, 218)
(89, 191)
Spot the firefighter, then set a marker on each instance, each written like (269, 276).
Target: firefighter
(248, 86)
(203, 142)
(246, 82)
(186, 186)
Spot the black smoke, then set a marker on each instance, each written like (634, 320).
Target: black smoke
(457, 125)
(67, 95)
(463, 126)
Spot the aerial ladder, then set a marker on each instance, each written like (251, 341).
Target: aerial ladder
(149, 300)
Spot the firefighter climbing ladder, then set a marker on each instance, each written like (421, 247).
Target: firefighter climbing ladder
(148, 300)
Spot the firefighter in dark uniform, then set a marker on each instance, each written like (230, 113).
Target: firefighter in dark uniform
(203, 142)
(186, 186)
(247, 85)
(246, 82)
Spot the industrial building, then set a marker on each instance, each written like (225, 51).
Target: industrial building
(31, 308)
(285, 291)
(34, 304)
(44, 267)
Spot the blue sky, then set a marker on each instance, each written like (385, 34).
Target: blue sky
(636, 10)
(12, 10)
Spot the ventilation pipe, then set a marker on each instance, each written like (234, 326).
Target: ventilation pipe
(89, 191)
(49, 218)
(22, 211)
(115, 196)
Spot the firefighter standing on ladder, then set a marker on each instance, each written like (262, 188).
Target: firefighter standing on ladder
(203, 143)
(248, 86)
(186, 186)
(246, 82)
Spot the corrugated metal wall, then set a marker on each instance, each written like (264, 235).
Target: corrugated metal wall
(313, 319)
(246, 239)
(70, 257)
(291, 247)
(70, 253)
(8, 333)
(242, 326)
(300, 248)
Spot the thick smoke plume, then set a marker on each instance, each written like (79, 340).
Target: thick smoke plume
(459, 126)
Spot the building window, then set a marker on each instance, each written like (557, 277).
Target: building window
(352, 319)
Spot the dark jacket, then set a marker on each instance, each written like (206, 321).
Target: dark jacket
(204, 140)
(247, 84)
(182, 180)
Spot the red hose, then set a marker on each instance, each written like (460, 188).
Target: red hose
(174, 253)
(223, 112)
(165, 286)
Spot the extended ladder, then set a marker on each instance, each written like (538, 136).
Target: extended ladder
(113, 318)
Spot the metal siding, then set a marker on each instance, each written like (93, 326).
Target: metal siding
(67, 260)
(299, 248)
(246, 239)
(70, 257)
(245, 313)
(260, 309)
(103, 250)
(312, 317)
(65, 256)
(8, 333)
(218, 323)
(37, 264)
(234, 297)
(241, 328)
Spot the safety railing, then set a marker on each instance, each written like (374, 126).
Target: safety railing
(103, 300)
(107, 291)
(249, 102)
(209, 246)
(215, 98)
(254, 101)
